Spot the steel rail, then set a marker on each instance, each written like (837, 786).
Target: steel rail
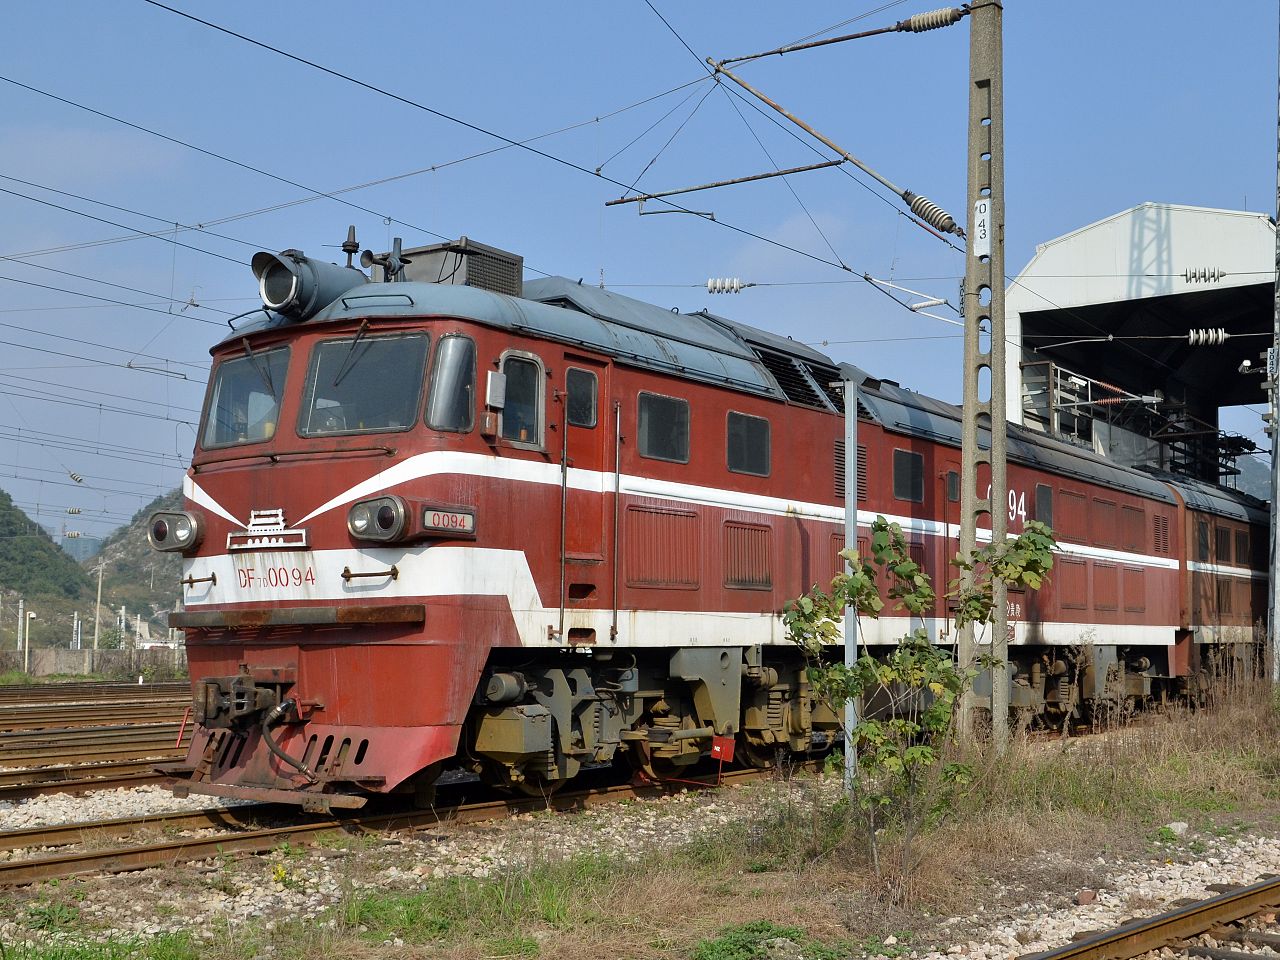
(65, 834)
(86, 692)
(125, 858)
(72, 772)
(25, 791)
(14, 719)
(1168, 929)
(62, 735)
(137, 750)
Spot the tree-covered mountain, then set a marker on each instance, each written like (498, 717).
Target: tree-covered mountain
(34, 569)
(136, 577)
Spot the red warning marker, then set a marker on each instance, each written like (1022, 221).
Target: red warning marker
(722, 749)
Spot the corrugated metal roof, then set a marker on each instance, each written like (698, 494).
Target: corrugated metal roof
(634, 332)
(1235, 504)
(905, 411)
(706, 347)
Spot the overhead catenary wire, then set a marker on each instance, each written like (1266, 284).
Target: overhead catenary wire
(408, 101)
(751, 102)
(314, 194)
(684, 43)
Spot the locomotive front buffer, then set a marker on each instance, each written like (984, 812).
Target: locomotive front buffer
(234, 713)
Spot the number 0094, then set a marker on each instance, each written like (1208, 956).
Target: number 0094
(456, 521)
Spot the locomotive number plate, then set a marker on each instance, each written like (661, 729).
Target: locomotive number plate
(448, 521)
(274, 575)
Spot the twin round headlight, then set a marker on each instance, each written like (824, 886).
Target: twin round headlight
(382, 518)
(175, 530)
(393, 519)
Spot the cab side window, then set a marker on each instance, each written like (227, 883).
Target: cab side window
(664, 428)
(580, 385)
(522, 409)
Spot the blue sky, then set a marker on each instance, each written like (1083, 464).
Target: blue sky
(1108, 104)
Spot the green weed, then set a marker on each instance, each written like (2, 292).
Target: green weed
(549, 894)
(168, 947)
(747, 942)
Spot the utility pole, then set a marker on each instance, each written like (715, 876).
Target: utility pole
(984, 318)
(849, 390)
(1273, 430)
(97, 609)
(22, 619)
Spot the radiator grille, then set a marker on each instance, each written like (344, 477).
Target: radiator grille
(838, 470)
(1161, 528)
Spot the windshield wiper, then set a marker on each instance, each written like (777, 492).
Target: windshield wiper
(264, 371)
(347, 365)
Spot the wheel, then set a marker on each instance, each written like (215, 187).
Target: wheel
(762, 757)
(654, 768)
(535, 786)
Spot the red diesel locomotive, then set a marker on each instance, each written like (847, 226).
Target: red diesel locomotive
(517, 529)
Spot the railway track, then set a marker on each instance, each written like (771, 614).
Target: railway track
(94, 855)
(18, 717)
(89, 691)
(86, 745)
(1220, 917)
(27, 782)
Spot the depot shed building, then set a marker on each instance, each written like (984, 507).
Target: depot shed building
(1129, 334)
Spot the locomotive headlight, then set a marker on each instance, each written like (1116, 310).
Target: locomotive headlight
(278, 284)
(298, 287)
(382, 518)
(171, 530)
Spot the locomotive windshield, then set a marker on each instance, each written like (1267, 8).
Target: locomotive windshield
(363, 385)
(244, 405)
(451, 405)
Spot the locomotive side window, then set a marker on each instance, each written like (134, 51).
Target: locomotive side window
(1223, 552)
(663, 428)
(244, 404)
(1242, 548)
(953, 486)
(363, 385)
(1202, 540)
(1044, 504)
(747, 444)
(452, 403)
(908, 476)
(581, 387)
(522, 412)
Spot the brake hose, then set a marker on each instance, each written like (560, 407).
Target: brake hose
(273, 715)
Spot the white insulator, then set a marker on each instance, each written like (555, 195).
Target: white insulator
(926, 304)
(76, 477)
(1207, 337)
(932, 20)
(725, 285)
(933, 215)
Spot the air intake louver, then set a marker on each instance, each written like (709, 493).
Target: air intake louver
(838, 466)
(825, 376)
(795, 385)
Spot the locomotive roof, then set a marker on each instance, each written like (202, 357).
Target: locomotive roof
(713, 349)
(636, 333)
(905, 411)
(1235, 504)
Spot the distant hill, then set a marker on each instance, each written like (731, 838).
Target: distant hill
(1255, 477)
(136, 577)
(34, 568)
